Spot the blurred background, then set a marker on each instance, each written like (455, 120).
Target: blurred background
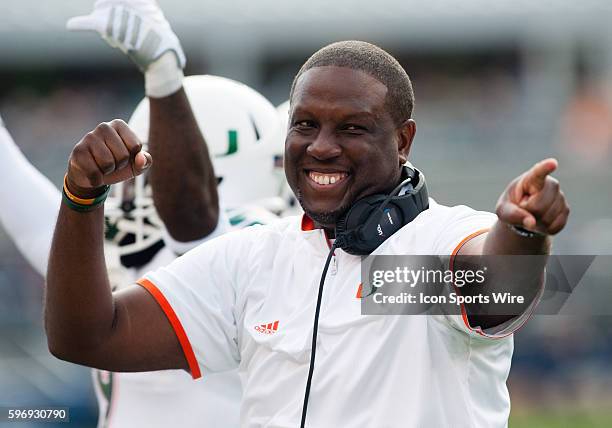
(499, 85)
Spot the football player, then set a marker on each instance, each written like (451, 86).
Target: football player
(216, 119)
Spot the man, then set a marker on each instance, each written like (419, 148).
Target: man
(247, 299)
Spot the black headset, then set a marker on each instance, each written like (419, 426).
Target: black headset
(373, 219)
(364, 227)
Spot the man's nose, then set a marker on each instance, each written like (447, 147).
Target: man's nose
(324, 147)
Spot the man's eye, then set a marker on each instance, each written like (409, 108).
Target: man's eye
(303, 125)
(353, 127)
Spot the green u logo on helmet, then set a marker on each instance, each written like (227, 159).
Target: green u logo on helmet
(232, 146)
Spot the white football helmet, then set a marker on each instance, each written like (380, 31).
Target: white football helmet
(240, 128)
(238, 125)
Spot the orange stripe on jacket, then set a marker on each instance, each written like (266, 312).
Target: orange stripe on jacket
(194, 367)
(450, 266)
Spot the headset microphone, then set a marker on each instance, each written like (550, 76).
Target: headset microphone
(365, 226)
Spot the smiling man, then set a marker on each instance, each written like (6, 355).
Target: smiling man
(350, 129)
(247, 299)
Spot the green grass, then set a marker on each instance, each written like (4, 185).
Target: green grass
(600, 419)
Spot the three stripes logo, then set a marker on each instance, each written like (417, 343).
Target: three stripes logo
(269, 328)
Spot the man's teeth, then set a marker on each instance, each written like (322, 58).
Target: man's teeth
(325, 179)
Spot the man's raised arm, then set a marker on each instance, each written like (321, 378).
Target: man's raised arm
(530, 210)
(85, 322)
(183, 165)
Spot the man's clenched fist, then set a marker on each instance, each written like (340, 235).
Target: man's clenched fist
(534, 201)
(109, 154)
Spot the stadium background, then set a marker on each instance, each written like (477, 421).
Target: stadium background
(498, 87)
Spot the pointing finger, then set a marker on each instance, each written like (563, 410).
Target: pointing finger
(533, 181)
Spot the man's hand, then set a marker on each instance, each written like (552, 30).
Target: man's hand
(534, 201)
(109, 154)
(136, 27)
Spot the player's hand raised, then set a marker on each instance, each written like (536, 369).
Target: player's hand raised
(136, 27)
(535, 201)
(109, 154)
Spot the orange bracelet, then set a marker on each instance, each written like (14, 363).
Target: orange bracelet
(83, 204)
(81, 201)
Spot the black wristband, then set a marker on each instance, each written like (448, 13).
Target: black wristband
(521, 231)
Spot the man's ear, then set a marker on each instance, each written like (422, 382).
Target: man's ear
(406, 134)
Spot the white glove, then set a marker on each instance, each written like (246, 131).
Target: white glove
(140, 30)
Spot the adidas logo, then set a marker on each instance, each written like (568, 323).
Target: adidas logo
(269, 328)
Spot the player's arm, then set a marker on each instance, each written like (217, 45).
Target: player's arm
(84, 321)
(29, 203)
(183, 165)
(535, 203)
(185, 168)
